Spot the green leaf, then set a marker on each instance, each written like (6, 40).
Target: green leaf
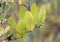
(21, 27)
(22, 12)
(29, 19)
(34, 11)
(12, 22)
(42, 14)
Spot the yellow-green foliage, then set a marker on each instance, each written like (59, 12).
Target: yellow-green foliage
(42, 14)
(22, 12)
(28, 19)
(34, 11)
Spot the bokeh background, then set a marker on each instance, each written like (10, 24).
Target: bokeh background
(50, 31)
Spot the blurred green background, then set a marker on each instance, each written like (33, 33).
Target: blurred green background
(50, 32)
